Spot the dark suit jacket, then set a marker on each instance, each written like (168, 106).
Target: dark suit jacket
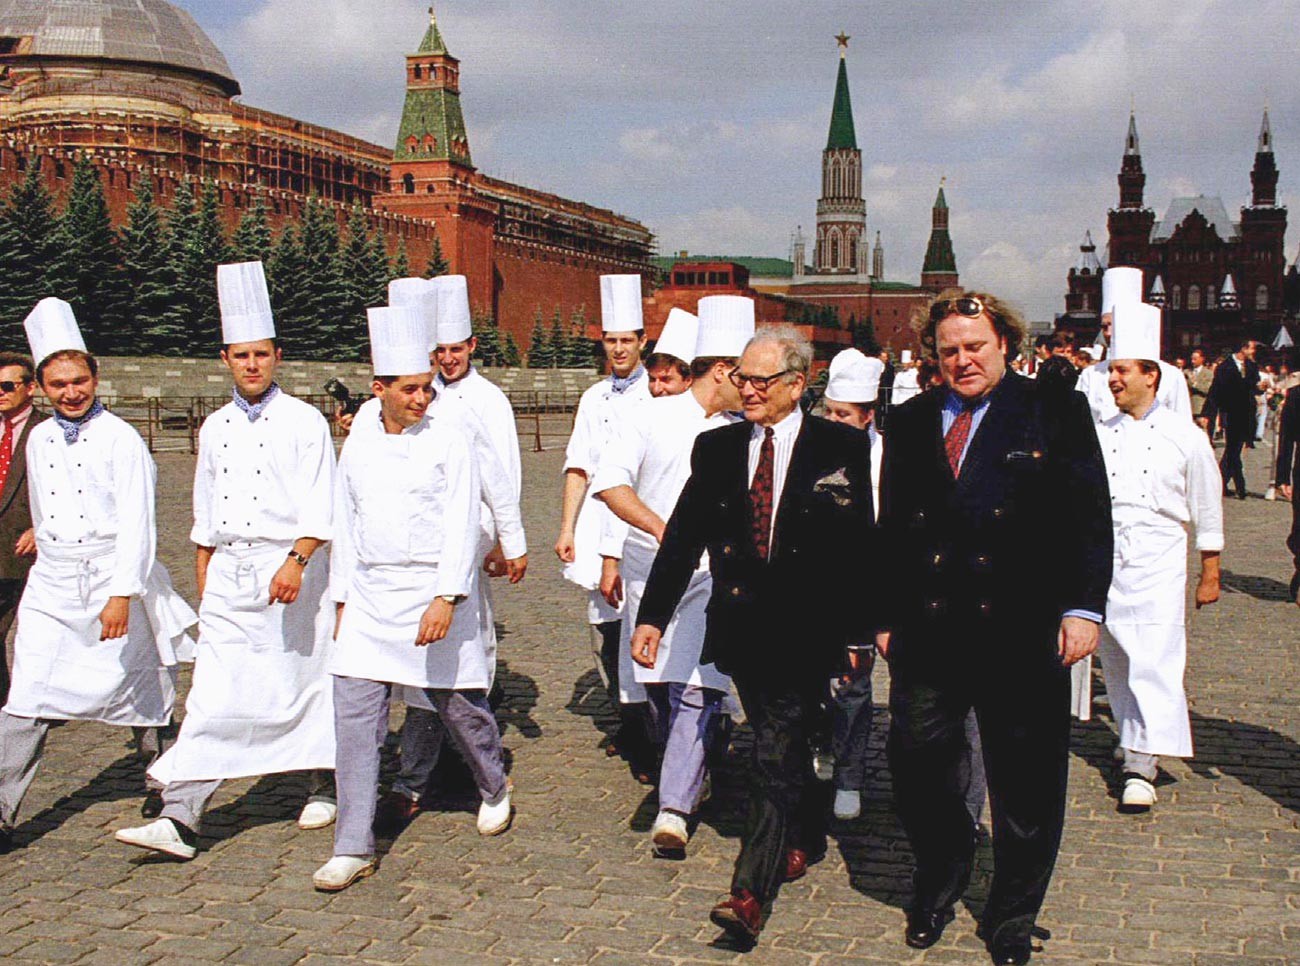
(1232, 393)
(794, 614)
(982, 568)
(15, 506)
(1288, 469)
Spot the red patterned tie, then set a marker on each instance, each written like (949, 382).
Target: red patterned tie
(955, 441)
(760, 495)
(6, 452)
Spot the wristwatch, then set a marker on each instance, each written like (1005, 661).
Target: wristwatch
(298, 558)
(452, 599)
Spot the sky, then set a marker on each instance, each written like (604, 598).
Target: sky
(706, 121)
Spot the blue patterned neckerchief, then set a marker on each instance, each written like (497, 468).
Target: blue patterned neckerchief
(72, 427)
(622, 385)
(255, 410)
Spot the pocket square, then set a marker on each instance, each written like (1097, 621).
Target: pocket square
(836, 486)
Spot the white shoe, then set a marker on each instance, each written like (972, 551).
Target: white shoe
(494, 819)
(848, 804)
(341, 871)
(669, 832)
(824, 766)
(1139, 794)
(158, 836)
(318, 813)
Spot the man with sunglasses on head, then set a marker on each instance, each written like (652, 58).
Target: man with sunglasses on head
(17, 542)
(977, 610)
(782, 505)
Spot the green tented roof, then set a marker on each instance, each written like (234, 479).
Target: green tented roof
(842, 134)
(433, 112)
(939, 256)
(432, 42)
(941, 201)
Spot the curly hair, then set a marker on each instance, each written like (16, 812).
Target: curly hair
(1007, 321)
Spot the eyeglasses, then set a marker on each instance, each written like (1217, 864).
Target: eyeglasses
(970, 307)
(7, 386)
(760, 383)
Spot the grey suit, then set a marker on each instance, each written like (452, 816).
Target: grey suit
(15, 519)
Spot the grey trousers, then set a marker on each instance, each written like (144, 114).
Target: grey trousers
(360, 726)
(420, 743)
(684, 718)
(851, 713)
(186, 801)
(1140, 763)
(22, 744)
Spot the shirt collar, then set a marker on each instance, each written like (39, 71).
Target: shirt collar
(72, 427)
(254, 410)
(786, 429)
(622, 385)
(20, 417)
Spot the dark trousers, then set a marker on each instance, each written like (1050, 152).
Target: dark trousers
(787, 806)
(1237, 433)
(11, 592)
(1293, 538)
(1024, 724)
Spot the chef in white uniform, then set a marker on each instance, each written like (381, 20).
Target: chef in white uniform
(404, 573)
(640, 480)
(669, 372)
(263, 507)
(907, 382)
(1163, 481)
(100, 629)
(1124, 285)
(602, 412)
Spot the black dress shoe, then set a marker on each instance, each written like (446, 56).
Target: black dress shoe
(152, 805)
(1011, 951)
(925, 927)
(6, 840)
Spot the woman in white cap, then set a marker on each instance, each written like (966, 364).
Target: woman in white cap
(640, 480)
(263, 491)
(404, 576)
(601, 414)
(100, 630)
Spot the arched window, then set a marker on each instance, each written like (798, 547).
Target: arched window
(1193, 297)
(1261, 299)
(1176, 297)
(417, 72)
(412, 142)
(853, 251)
(408, 183)
(430, 143)
(1210, 302)
(835, 249)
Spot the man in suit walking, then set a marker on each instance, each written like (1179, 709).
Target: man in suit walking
(1232, 394)
(782, 504)
(1287, 476)
(977, 610)
(17, 545)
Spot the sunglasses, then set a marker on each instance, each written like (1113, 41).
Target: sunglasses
(972, 308)
(760, 383)
(7, 386)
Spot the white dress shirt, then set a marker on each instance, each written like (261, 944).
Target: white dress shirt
(784, 434)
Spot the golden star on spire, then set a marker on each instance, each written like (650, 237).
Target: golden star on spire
(843, 40)
(433, 17)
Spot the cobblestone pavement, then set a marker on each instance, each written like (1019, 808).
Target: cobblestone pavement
(1211, 878)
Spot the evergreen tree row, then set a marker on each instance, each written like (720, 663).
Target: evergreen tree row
(559, 347)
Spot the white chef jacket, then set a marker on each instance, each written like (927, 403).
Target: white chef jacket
(907, 383)
(407, 514)
(270, 479)
(1163, 479)
(1094, 382)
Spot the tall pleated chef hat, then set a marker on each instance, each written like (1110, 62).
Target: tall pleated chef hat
(1120, 284)
(52, 327)
(620, 303)
(399, 341)
(454, 325)
(726, 326)
(1135, 332)
(245, 303)
(679, 336)
(854, 377)
(417, 295)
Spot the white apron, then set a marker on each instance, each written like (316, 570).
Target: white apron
(678, 661)
(261, 701)
(63, 671)
(381, 620)
(1143, 642)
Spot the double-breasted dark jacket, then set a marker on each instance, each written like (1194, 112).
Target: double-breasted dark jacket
(982, 567)
(15, 506)
(795, 613)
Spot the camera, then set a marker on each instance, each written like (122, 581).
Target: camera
(348, 403)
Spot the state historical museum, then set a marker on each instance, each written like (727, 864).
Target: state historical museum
(138, 86)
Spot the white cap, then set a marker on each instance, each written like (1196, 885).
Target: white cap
(454, 325)
(417, 295)
(905, 357)
(52, 327)
(245, 303)
(854, 378)
(679, 336)
(399, 341)
(726, 326)
(1135, 332)
(620, 303)
(1118, 285)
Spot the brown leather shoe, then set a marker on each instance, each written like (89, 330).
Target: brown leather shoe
(739, 915)
(394, 813)
(796, 864)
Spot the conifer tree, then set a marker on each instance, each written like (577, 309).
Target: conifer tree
(510, 352)
(363, 276)
(252, 239)
(210, 249)
(28, 249)
(437, 260)
(557, 341)
(401, 261)
(182, 257)
(288, 295)
(490, 351)
(325, 301)
(540, 355)
(155, 325)
(88, 267)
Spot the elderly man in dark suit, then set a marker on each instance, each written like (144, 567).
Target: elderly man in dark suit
(782, 504)
(1287, 475)
(17, 545)
(980, 608)
(1232, 395)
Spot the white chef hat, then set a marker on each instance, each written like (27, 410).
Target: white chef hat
(620, 303)
(726, 326)
(1120, 284)
(417, 295)
(905, 357)
(679, 336)
(454, 325)
(52, 327)
(245, 303)
(399, 341)
(854, 378)
(1136, 332)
